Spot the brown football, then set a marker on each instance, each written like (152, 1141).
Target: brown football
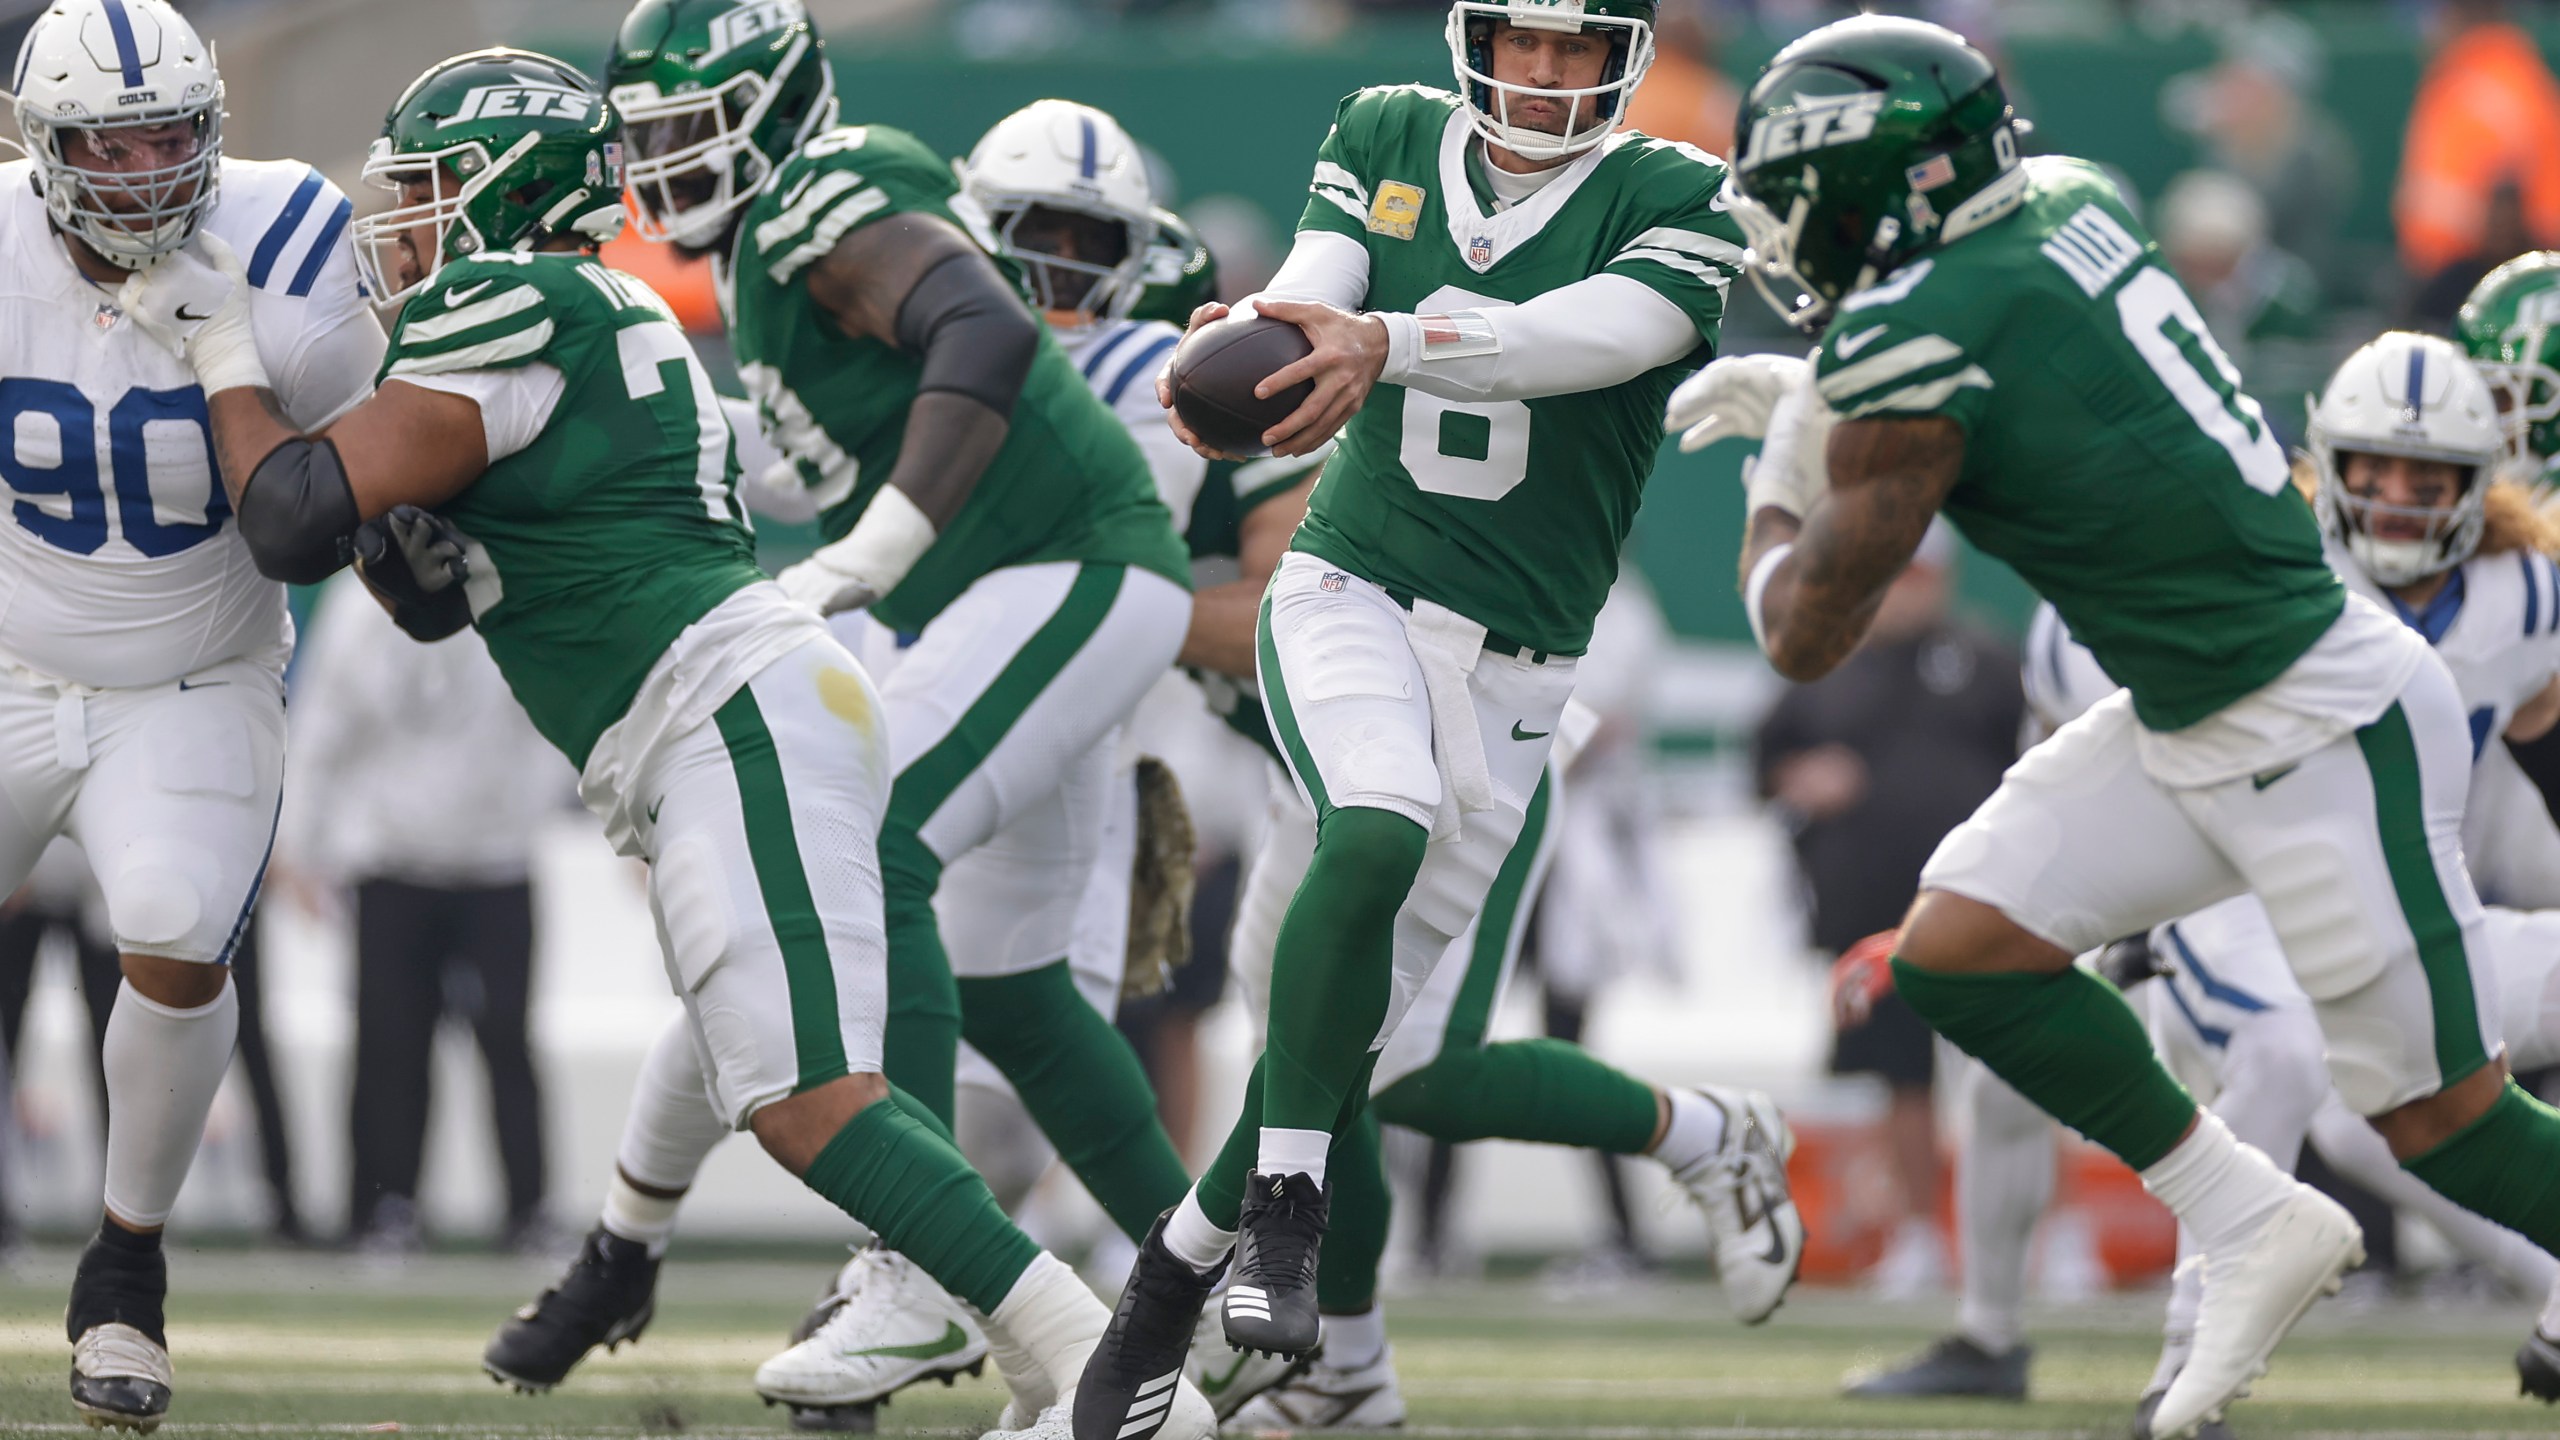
(1214, 371)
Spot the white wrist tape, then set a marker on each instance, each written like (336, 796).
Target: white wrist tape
(224, 355)
(1758, 585)
(884, 544)
(1416, 341)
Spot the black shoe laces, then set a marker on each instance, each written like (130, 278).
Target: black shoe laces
(1286, 1229)
(1152, 1326)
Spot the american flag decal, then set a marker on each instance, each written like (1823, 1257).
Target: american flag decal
(1931, 173)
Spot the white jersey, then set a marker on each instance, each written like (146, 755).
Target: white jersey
(118, 565)
(1120, 359)
(2496, 626)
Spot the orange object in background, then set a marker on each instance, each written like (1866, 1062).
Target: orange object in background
(1850, 1206)
(684, 284)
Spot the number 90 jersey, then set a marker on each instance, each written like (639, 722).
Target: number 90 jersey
(1510, 512)
(2111, 456)
(119, 566)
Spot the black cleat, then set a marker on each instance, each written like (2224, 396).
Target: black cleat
(1130, 1382)
(120, 1373)
(608, 1296)
(1952, 1365)
(2212, 1429)
(2538, 1368)
(1271, 1307)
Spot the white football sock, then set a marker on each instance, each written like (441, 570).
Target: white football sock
(1032, 1390)
(1351, 1341)
(1294, 1152)
(163, 1066)
(1695, 1134)
(1193, 1240)
(2004, 1180)
(2186, 1296)
(638, 1216)
(671, 1128)
(1054, 1319)
(2223, 1189)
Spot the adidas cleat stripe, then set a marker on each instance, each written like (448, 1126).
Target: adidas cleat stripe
(1161, 1382)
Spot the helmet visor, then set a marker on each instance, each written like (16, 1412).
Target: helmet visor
(1076, 260)
(690, 161)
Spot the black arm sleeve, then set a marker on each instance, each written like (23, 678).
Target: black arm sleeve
(975, 334)
(298, 514)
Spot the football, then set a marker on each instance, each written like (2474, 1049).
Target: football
(1215, 369)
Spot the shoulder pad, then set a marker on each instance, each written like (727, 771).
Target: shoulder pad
(284, 218)
(487, 312)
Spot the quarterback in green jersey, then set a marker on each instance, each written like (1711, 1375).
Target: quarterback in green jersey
(2002, 343)
(544, 459)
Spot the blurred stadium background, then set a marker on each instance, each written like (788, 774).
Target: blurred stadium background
(2265, 144)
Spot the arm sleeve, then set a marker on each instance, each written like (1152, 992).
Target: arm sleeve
(1588, 335)
(1323, 266)
(515, 405)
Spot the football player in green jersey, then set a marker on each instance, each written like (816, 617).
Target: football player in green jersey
(2002, 343)
(1497, 284)
(2510, 327)
(545, 459)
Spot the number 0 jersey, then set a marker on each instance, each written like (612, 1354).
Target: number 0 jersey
(596, 545)
(1510, 512)
(2110, 455)
(119, 565)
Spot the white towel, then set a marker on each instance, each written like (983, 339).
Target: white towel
(1447, 645)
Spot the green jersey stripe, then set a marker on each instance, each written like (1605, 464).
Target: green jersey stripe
(1715, 275)
(773, 846)
(1330, 176)
(507, 349)
(1891, 363)
(1696, 243)
(1497, 927)
(489, 311)
(832, 228)
(1924, 398)
(801, 209)
(2399, 812)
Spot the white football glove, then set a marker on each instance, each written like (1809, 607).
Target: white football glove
(196, 302)
(1791, 471)
(868, 562)
(1732, 397)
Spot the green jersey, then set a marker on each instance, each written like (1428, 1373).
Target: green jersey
(1510, 512)
(2110, 455)
(593, 547)
(1068, 484)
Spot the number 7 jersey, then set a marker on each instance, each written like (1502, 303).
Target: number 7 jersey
(1510, 512)
(2110, 454)
(119, 565)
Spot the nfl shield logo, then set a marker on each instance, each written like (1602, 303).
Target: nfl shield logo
(1331, 584)
(1480, 251)
(106, 317)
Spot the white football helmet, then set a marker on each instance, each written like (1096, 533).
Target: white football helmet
(1057, 155)
(92, 67)
(1626, 24)
(2418, 397)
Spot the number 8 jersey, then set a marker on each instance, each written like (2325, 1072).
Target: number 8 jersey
(2110, 456)
(1510, 512)
(119, 566)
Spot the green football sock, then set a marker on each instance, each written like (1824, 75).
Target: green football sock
(1347, 1268)
(1333, 964)
(923, 1116)
(1082, 1085)
(1538, 1090)
(886, 1169)
(920, 1048)
(1221, 1187)
(2069, 1043)
(2504, 1165)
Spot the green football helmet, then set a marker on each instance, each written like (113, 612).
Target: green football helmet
(1181, 274)
(2510, 327)
(716, 95)
(1860, 146)
(515, 147)
(1626, 24)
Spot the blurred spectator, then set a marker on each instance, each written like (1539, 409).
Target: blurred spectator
(1868, 768)
(416, 778)
(2261, 302)
(2487, 118)
(2253, 114)
(1686, 95)
(684, 284)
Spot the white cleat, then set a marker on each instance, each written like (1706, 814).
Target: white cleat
(894, 1328)
(1227, 1377)
(1326, 1398)
(120, 1378)
(1188, 1417)
(1752, 1224)
(2252, 1296)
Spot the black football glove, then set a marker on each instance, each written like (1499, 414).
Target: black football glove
(2128, 962)
(415, 560)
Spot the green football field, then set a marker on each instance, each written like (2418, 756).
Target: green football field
(279, 1344)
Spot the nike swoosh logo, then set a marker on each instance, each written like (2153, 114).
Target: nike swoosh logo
(2270, 777)
(462, 294)
(191, 319)
(1214, 1386)
(1756, 1207)
(1519, 734)
(653, 808)
(201, 684)
(953, 1338)
(1851, 344)
(1718, 202)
